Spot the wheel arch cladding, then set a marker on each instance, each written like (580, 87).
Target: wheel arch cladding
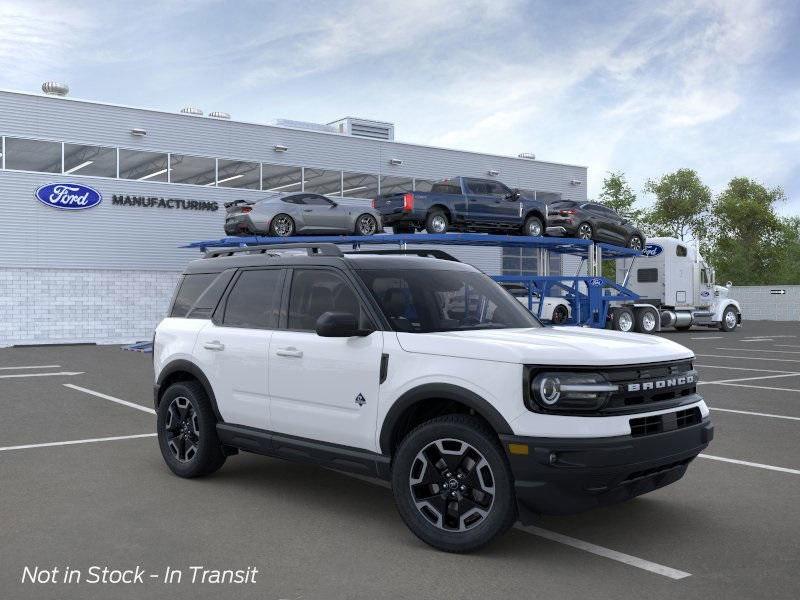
(442, 208)
(183, 370)
(535, 212)
(430, 399)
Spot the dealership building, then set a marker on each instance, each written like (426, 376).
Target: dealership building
(105, 273)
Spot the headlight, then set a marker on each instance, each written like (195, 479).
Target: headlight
(570, 391)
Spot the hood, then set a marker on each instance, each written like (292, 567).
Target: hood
(720, 291)
(575, 346)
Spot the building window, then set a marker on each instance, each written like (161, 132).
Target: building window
(279, 178)
(238, 174)
(396, 185)
(97, 161)
(359, 185)
(33, 155)
(520, 261)
(143, 166)
(321, 181)
(196, 170)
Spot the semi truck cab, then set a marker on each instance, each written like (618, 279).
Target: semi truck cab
(673, 277)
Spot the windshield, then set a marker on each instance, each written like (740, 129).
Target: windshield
(426, 301)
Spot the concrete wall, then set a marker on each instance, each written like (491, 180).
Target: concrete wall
(759, 304)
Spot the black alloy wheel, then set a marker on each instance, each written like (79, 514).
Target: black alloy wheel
(366, 225)
(282, 226)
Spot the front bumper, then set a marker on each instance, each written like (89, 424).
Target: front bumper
(560, 476)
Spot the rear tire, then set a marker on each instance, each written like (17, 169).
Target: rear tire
(366, 225)
(646, 320)
(584, 232)
(436, 221)
(462, 503)
(281, 226)
(635, 242)
(187, 431)
(623, 320)
(560, 314)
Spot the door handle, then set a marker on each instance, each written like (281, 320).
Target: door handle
(307, 210)
(215, 345)
(290, 352)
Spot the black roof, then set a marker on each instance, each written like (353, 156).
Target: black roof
(358, 261)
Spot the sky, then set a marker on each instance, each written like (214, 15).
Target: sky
(639, 87)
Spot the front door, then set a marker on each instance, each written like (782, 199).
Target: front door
(324, 388)
(480, 202)
(233, 349)
(323, 214)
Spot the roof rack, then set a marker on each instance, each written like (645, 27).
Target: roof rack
(424, 252)
(323, 249)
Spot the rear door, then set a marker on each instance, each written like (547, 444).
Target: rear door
(324, 388)
(233, 348)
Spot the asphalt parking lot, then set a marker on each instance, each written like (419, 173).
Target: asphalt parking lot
(72, 498)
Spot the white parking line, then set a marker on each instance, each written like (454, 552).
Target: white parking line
(18, 375)
(31, 367)
(744, 369)
(751, 464)
(756, 340)
(111, 398)
(759, 387)
(760, 350)
(749, 358)
(733, 380)
(74, 442)
(710, 337)
(787, 346)
(755, 414)
(633, 561)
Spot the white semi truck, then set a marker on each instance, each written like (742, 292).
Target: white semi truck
(677, 289)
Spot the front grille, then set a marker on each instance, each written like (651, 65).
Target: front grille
(643, 386)
(665, 422)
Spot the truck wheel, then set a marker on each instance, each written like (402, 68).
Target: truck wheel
(560, 314)
(646, 320)
(729, 319)
(623, 320)
(436, 222)
(187, 431)
(281, 226)
(533, 227)
(452, 484)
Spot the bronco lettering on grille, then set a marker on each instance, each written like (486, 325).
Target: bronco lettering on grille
(660, 384)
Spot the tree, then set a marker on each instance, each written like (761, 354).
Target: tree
(618, 196)
(751, 244)
(681, 206)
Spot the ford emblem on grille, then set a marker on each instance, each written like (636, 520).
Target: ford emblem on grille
(68, 196)
(661, 384)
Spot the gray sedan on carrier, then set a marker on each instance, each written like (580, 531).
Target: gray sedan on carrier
(283, 215)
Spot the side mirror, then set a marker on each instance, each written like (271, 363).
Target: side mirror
(334, 204)
(514, 195)
(339, 324)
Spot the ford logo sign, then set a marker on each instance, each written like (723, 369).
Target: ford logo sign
(595, 282)
(652, 250)
(68, 196)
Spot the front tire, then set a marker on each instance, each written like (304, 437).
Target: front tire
(560, 314)
(366, 225)
(436, 222)
(187, 431)
(533, 227)
(452, 484)
(730, 320)
(635, 242)
(282, 226)
(585, 232)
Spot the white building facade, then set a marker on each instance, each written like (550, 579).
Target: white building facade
(106, 274)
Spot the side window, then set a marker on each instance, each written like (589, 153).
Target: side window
(317, 291)
(254, 300)
(703, 276)
(680, 251)
(298, 199)
(189, 291)
(446, 187)
(497, 189)
(475, 186)
(315, 200)
(647, 275)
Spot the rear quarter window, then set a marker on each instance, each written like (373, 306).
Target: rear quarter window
(189, 291)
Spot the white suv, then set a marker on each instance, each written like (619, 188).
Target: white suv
(424, 372)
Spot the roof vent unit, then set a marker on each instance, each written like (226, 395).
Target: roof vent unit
(219, 115)
(375, 130)
(527, 155)
(308, 126)
(192, 110)
(53, 88)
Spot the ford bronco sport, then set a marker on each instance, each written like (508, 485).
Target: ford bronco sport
(424, 372)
